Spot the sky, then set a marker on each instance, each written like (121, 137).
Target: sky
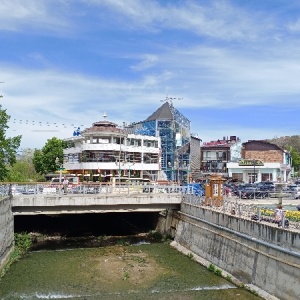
(232, 67)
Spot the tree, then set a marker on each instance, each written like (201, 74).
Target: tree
(295, 158)
(44, 160)
(291, 144)
(8, 146)
(23, 170)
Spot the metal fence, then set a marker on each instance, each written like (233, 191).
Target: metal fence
(83, 188)
(261, 194)
(289, 219)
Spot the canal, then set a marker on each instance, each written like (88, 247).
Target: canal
(96, 262)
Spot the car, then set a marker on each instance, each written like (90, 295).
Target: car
(296, 193)
(253, 192)
(266, 186)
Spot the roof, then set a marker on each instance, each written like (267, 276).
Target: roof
(103, 126)
(260, 145)
(162, 113)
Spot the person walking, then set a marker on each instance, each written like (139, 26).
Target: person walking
(65, 185)
(278, 214)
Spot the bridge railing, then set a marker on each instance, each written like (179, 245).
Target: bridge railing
(83, 188)
(259, 213)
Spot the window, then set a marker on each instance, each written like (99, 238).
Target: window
(266, 177)
(237, 176)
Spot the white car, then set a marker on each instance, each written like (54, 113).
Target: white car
(296, 193)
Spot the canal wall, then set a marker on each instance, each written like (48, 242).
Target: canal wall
(6, 230)
(257, 254)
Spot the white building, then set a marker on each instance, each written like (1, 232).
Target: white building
(262, 161)
(106, 150)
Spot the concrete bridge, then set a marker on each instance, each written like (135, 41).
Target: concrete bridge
(33, 199)
(94, 203)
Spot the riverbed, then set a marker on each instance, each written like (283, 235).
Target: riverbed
(122, 270)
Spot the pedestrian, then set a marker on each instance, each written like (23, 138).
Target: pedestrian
(65, 185)
(278, 213)
(227, 191)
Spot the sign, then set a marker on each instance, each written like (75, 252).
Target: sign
(62, 170)
(251, 162)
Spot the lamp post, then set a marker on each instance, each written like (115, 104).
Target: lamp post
(60, 168)
(254, 176)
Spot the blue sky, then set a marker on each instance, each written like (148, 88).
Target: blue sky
(235, 64)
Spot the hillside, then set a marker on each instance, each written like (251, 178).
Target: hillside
(286, 142)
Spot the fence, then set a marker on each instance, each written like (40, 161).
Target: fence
(86, 188)
(260, 213)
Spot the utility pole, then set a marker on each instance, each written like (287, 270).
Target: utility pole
(60, 168)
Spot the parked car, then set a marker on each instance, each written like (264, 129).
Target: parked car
(296, 193)
(253, 192)
(266, 186)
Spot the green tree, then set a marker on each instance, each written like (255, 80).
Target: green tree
(295, 158)
(23, 170)
(291, 144)
(44, 160)
(8, 146)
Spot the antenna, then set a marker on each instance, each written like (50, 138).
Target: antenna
(170, 99)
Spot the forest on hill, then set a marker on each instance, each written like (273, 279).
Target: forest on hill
(291, 144)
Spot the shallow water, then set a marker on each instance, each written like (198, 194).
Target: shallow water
(140, 271)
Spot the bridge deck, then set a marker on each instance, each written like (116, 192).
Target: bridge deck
(97, 203)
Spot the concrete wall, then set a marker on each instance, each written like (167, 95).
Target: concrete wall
(167, 223)
(263, 256)
(53, 204)
(6, 230)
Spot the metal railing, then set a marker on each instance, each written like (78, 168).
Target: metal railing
(255, 212)
(85, 188)
(263, 194)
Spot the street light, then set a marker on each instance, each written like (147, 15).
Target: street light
(254, 176)
(60, 168)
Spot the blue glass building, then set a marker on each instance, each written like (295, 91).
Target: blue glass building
(174, 131)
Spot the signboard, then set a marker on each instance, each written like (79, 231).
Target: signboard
(251, 162)
(62, 170)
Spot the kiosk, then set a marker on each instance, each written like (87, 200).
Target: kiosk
(214, 191)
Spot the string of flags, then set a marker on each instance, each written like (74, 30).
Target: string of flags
(46, 124)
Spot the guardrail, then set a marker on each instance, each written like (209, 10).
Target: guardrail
(91, 188)
(259, 213)
(262, 194)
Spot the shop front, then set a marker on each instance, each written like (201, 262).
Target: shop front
(250, 171)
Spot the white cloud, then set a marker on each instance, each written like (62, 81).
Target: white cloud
(148, 61)
(212, 54)
(294, 26)
(218, 19)
(19, 15)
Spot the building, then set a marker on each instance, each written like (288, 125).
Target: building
(106, 150)
(173, 128)
(261, 161)
(215, 155)
(195, 158)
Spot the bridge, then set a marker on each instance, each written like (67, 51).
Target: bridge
(46, 200)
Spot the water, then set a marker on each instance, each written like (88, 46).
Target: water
(120, 271)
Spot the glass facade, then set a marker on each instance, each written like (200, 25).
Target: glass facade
(175, 142)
